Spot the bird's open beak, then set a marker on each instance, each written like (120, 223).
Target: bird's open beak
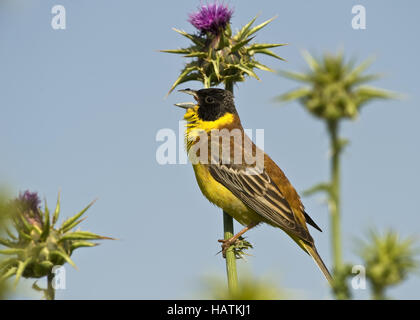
(187, 105)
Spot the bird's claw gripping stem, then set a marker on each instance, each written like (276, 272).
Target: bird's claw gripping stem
(238, 245)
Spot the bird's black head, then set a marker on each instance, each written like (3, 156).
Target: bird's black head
(213, 103)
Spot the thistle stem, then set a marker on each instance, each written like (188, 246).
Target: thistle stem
(335, 193)
(378, 293)
(231, 270)
(229, 86)
(334, 204)
(50, 292)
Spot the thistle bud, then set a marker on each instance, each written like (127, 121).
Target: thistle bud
(334, 88)
(37, 245)
(217, 55)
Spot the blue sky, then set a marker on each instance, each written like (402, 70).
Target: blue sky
(80, 109)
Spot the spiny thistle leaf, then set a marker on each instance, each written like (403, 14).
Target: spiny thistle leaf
(82, 235)
(12, 251)
(342, 143)
(216, 67)
(294, 95)
(259, 27)
(259, 46)
(21, 269)
(57, 209)
(46, 228)
(310, 60)
(295, 76)
(356, 72)
(64, 256)
(196, 54)
(246, 70)
(9, 273)
(177, 51)
(363, 79)
(71, 222)
(194, 76)
(4, 264)
(80, 244)
(197, 40)
(75, 224)
(364, 94)
(36, 287)
(23, 235)
(320, 187)
(183, 76)
(240, 246)
(243, 33)
(7, 243)
(241, 44)
(262, 67)
(9, 233)
(268, 53)
(20, 220)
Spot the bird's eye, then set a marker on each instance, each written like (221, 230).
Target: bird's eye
(209, 99)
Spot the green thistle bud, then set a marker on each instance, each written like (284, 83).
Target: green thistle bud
(334, 88)
(389, 260)
(37, 245)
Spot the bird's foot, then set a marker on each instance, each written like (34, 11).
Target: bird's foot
(226, 244)
(238, 245)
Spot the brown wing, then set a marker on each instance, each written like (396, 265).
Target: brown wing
(257, 191)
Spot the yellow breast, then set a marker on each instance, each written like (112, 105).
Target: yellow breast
(211, 189)
(222, 197)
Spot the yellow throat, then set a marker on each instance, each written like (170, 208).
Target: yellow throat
(195, 125)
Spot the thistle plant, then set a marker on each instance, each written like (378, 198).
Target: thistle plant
(217, 56)
(4, 286)
(250, 288)
(388, 260)
(36, 244)
(334, 91)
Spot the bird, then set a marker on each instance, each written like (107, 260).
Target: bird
(251, 193)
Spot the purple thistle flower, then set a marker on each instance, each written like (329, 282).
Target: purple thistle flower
(211, 17)
(29, 204)
(29, 201)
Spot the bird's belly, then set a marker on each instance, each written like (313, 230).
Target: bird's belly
(223, 198)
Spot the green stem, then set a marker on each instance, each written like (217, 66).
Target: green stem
(231, 271)
(334, 202)
(50, 292)
(228, 232)
(378, 293)
(335, 193)
(229, 86)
